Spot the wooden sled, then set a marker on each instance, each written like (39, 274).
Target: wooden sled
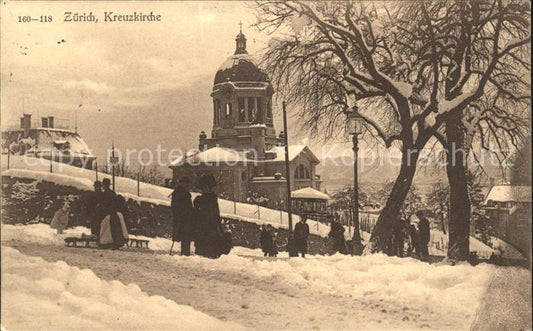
(138, 243)
(80, 242)
(86, 242)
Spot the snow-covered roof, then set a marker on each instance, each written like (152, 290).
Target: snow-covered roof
(212, 155)
(294, 151)
(240, 68)
(507, 193)
(44, 139)
(263, 179)
(227, 155)
(309, 193)
(233, 60)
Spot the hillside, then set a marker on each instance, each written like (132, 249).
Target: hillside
(373, 174)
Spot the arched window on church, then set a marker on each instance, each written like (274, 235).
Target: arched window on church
(251, 109)
(242, 110)
(259, 115)
(228, 110)
(302, 172)
(269, 107)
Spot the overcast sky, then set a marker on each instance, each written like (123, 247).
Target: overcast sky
(140, 84)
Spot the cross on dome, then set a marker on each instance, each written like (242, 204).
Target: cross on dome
(240, 42)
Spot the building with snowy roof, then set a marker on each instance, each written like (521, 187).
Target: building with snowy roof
(47, 141)
(243, 152)
(509, 210)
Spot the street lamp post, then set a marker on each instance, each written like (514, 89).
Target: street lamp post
(355, 128)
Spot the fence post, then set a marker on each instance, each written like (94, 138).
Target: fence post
(51, 159)
(8, 153)
(96, 170)
(138, 184)
(258, 212)
(235, 207)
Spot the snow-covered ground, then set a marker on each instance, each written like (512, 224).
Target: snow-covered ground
(40, 295)
(397, 292)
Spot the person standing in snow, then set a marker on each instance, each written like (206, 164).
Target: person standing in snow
(60, 220)
(208, 213)
(94, 211)
(183, 216)
(226, 243)
(273, 251)
(423, 235)
(336, 235)
(263, 239)
(108, 200)
(301, 232)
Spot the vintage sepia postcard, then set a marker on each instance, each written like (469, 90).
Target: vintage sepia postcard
(265, 165)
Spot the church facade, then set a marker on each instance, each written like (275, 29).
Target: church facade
(243, 151)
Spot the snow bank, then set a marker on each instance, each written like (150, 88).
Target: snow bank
(43, 234)
(507, 250)
(41, 295)
(443, 292)
(437, 236)
(59, 179)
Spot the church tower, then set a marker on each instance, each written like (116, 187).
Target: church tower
(242, 105)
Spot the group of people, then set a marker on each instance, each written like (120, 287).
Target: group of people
(410, 240)
(296, 245)
(199, 220)
(107, 214)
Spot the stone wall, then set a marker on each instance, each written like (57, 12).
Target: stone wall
(26, 201)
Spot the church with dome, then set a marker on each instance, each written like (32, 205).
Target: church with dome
(243, 151)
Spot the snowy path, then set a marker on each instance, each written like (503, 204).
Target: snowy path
(507, 303)
(244, 298)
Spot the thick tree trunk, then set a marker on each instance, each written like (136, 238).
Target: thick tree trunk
(380, 240)
(459, 216)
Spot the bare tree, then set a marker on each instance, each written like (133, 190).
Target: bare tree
(414, 68)
(485, 62)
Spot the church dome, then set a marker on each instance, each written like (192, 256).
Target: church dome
(241, 66)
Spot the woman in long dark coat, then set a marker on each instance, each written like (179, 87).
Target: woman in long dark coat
(266, 242)
(209, 223)
(183, 218)
(301, 232)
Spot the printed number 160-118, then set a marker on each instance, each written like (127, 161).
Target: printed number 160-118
(42, 19)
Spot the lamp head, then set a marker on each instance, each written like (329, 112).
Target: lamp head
(355, 121)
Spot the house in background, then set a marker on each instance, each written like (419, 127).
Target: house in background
(48, 141)
(509, 210)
